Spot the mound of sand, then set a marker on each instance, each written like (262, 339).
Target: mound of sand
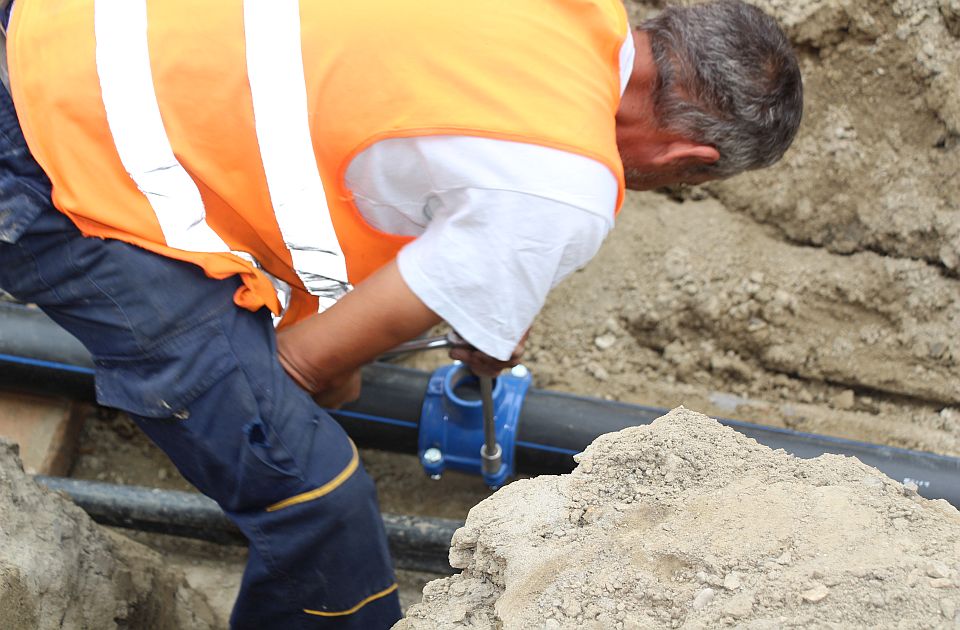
(58, 569)
(688, 524)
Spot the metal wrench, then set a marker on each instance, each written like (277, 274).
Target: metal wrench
(449, 340)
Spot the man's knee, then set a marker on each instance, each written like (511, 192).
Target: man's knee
(320, 560)
(338, 493)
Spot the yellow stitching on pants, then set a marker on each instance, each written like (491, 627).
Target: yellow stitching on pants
(343, 613)
(325, 489)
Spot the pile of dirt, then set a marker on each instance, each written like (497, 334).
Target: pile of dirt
(686, 523)
(58, 569)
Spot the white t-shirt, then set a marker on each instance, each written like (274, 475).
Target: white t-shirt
(498, 223)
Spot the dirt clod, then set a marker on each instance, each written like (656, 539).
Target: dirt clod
(58, 569)
(815, 594)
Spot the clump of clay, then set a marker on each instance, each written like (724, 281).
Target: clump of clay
(686, 523)
(58, 569)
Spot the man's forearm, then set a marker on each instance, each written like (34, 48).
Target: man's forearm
(378, 314)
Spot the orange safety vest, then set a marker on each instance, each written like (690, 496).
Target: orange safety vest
(219, 132)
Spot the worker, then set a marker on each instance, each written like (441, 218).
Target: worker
(352, 173)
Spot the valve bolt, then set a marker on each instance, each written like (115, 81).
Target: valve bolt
(432, 456)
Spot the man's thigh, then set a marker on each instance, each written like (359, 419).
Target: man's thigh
(172, 349)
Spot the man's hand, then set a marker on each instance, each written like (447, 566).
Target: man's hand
(338, 390)
(324, 352)
(485, 365)
(340, 394)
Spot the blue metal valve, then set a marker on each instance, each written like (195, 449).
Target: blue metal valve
(451, 421)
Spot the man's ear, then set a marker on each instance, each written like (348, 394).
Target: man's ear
(683, 153)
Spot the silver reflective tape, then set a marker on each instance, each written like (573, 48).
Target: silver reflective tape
(133, 114)
(275, 73)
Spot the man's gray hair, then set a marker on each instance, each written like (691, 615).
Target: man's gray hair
(729, 78)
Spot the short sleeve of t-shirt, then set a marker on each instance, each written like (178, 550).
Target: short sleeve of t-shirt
(498, 224)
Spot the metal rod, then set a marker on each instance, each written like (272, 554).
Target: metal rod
(491, 455)
(416, 543)
(489, 428)
(416, 345)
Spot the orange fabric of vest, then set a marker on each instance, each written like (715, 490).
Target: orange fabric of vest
(541, 72)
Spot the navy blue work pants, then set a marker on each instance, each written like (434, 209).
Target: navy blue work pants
(201, 378)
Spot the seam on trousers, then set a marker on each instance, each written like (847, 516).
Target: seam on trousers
(78, 272)
(323, 490)
(36, 267)
(262, 543)
(267, 393)
(350, 611)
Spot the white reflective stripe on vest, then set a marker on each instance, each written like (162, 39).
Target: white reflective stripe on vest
(275, 72)
(130, 101)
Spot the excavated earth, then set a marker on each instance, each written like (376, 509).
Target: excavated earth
(688, 524)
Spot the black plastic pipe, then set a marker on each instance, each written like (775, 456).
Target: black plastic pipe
(416, 543)
(37, 355)
(553, 426)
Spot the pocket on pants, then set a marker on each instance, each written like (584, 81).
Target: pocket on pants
(267, 473)
(163, 382)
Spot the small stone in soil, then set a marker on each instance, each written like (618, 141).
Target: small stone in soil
(948, 608)
(731, 582)
(738, 606)
(703, 598)
(815, 594)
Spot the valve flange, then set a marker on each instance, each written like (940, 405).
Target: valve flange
(451, 423)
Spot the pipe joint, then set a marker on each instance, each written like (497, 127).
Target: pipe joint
(451, 428)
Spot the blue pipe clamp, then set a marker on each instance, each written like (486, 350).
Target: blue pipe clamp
(451, 421)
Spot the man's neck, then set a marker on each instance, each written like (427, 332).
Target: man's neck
(636, 118)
